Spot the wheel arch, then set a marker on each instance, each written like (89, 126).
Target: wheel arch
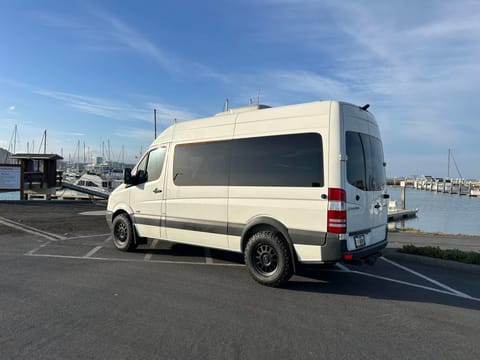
(136, 238)
(263, 223)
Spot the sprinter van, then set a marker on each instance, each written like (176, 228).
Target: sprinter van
(291, 185)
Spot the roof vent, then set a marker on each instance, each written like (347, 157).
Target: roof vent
(242, 109)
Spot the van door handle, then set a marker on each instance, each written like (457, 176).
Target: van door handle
(157, 190)
(377, 206)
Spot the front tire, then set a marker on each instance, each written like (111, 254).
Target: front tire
(268, 259)
(122, 233)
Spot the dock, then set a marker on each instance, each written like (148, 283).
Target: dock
(448, 186)
(401, 214)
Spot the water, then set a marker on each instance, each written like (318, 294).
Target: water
(10, 195)
(438, 212)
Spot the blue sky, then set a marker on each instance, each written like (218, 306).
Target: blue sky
(93, 71)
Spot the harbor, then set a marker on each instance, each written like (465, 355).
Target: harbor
(438, 212)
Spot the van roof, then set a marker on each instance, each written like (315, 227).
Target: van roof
(226, 118)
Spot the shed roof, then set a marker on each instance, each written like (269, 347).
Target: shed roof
(26, 156)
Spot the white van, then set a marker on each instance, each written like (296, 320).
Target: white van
(299, 184)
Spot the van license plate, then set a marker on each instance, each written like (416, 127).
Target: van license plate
(359, 240)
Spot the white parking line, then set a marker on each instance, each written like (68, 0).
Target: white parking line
(459, 293)
(30, 230)
(342, 267)
(153, 245)
(415, 285)
(93, 251)
(208, 256)
(134, 260)
(85, 236)
(33, 251)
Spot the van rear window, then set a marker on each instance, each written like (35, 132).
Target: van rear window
(294, 160)
(365, 164)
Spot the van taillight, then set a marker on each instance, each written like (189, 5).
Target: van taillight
(337, 211)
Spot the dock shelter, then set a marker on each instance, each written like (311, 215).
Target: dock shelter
(39, 174)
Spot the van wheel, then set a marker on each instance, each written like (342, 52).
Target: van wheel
(268, 259)
(122, 233)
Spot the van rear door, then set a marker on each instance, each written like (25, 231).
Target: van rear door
(365, 180)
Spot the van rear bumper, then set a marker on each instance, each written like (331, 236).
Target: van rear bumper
(367, 254)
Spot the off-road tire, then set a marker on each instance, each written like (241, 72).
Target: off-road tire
(122, 233)
(268, 259)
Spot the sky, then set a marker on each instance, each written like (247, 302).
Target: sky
(91, 72)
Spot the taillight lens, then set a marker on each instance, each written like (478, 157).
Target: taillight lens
(337, 211)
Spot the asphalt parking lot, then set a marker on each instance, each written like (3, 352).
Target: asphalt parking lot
(67, 293)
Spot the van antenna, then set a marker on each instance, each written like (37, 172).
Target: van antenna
(365, 107)
(174, 120)
(258, 97)
(225, 106)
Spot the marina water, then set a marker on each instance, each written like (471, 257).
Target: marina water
(439, 212)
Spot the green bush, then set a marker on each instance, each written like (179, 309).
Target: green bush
(467, 257)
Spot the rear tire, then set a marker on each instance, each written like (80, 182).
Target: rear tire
(122, 233)
(268, 259)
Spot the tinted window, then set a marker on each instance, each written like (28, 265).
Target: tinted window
(365, 168)
(201, 164)
(356, 161)
(283, 160)
(375, 164)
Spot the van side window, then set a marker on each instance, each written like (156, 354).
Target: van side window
(155, 163)
(283, 160)
(202, 164)
(150, 167)
(294, 160)
(365, 168)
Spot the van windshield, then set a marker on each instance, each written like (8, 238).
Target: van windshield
(365, 163)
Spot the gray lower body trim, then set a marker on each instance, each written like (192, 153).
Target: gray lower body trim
(234, 229)
(306, 237)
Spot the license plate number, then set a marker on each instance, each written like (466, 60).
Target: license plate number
(359, 240)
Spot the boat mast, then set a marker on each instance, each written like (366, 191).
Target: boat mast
(448, 173)
(44, 142)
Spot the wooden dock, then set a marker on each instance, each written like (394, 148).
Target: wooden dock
(401, 214)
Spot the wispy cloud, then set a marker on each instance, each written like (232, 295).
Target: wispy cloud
(127, 36)
(99, 30)
(117, 110)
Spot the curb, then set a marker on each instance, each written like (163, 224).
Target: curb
(393, 253)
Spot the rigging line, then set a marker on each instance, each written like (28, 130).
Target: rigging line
(451, 154)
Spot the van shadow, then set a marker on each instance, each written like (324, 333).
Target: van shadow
(337, 282)
(193, 253)
(318, 279)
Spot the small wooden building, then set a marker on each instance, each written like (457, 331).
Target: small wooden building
(39, 174)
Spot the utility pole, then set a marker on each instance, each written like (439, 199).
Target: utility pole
(155, 121)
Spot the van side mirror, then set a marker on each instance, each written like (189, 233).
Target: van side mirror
(142, 177)
(127, 176)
